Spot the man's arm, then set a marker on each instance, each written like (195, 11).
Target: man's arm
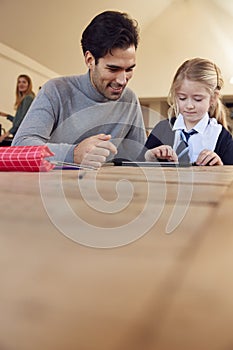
(42, 122)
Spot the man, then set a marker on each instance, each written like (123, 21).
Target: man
(89, 118)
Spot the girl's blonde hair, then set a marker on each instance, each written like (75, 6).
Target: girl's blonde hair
(207, 73)
(19, 95)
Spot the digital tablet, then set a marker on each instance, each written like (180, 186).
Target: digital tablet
(151, 164)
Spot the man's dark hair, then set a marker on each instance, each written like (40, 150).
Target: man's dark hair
(107, 31)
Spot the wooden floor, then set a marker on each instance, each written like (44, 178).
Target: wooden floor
(122, 259)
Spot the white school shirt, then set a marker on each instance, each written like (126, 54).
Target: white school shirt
(208, 131)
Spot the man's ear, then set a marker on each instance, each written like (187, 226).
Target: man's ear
(89, 59)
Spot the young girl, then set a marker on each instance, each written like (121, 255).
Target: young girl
(196, 128)
(24, 98)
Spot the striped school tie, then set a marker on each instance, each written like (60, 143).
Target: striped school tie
(182, 150)
(188, 134)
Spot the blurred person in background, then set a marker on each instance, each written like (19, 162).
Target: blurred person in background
(24, 98)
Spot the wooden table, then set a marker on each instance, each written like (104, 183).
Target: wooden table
(124, 258)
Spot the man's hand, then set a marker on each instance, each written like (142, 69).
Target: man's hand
(161, 152)
(207, 157)
(94, 150)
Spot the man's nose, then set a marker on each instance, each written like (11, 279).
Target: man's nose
(121, 78)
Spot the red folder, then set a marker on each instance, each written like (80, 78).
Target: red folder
(25, 158)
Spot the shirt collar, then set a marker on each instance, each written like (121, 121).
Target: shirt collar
(199, 127)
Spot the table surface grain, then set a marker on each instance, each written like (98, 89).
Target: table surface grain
(124, 258)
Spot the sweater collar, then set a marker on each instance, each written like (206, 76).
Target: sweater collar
(89, 90)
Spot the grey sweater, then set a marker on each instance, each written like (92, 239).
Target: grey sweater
(69, 109)
(20, 113)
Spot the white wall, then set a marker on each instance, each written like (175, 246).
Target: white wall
(185, 29)
(12, 63)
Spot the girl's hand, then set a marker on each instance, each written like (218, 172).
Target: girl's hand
(207, 157)
(161, 152)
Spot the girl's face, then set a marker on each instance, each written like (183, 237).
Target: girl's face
(193, 100)
(22, 85)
